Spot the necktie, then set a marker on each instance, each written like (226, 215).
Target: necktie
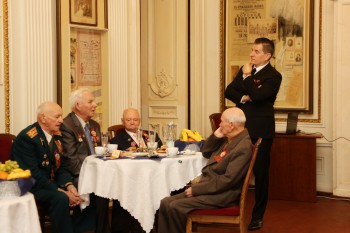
(51, 144)
(89, 138)
(253, 71)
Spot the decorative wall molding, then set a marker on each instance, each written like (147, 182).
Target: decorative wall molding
(163, 112)
(162, 84)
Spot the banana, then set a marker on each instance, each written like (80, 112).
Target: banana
(20, 174)
(17, 170)
(198, 135)
(184, 136)
(192, 135)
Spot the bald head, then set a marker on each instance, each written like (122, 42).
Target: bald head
(234, 115)
(131, 119)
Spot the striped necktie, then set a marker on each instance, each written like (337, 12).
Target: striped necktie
(89, 138)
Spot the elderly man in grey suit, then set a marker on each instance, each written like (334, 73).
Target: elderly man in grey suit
(229, 151)
(80, 135)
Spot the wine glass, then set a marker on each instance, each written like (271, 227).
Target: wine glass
(104, 140)
(151, 144)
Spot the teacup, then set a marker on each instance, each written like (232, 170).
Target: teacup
(112, 147)
(172, 151)
(99, 150)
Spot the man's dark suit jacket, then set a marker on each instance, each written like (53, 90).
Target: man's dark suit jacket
(75, 144)
(262, 89)
(124, 140)
(32, 151)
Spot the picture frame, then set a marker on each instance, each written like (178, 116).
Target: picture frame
(83, 12)
(243, 21)
(82, 52)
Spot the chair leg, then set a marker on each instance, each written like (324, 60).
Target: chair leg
(242, 226)
(189, 225)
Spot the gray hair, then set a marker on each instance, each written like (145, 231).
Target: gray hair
(76, 97)
(42, 108)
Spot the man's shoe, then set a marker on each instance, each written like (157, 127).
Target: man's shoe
(255, 224)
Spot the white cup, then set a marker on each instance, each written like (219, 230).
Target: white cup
(99, 150)
(172, 151)
(112, 147)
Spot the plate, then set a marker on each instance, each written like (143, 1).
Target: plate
(140, 154)
(186, 152)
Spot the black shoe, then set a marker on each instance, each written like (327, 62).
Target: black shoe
(255, 224)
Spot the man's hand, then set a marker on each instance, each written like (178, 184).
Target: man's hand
(247, 69)
(73, 190)
(188, 192)
(218, 133)
(246, 98)
(74, 200)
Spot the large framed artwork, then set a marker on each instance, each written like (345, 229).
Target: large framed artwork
(290, 25)
(83, 54)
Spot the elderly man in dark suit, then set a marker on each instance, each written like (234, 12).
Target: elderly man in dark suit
(38, 148)
(128, 138)
(80, 135)
(254, 90)
(122, 221)
(229, 151)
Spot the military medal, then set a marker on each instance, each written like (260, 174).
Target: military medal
(94, 136)
(219, 157)
(57, 159)
(45, 161)
(80, 137)
(42, 142)
(59, 145)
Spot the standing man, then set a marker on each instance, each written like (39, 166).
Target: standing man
(122, 221)
(38, 148)
(254, 90)
(229, 151)
(80, 135)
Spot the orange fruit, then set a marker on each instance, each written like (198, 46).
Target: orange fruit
(3, 175)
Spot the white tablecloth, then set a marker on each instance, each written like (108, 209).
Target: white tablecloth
(19, 215)
(139, 184)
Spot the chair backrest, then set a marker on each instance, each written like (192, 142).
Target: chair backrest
(247, 178)
(215, 120)
(6, 141)
(114, 130)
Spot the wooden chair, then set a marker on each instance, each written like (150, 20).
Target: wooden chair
(234, 215)
(215, 120)
(114, 130)
(6, 141)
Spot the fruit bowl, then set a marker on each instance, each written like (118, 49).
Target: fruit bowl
(15, 188)
(181, 144)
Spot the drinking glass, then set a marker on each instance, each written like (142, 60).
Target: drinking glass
(104, 141)
(151, 136)
(152, 147)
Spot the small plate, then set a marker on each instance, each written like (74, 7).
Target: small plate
(186, 152)
(140, 154)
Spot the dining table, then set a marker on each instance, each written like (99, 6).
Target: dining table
(139, 183)
(19, 215)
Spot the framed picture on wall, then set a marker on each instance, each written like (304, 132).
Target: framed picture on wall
(290, 25)
(82, 53)
(83, 12)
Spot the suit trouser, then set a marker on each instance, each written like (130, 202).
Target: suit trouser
(173, 212)
(261, 173)
(58, 208)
